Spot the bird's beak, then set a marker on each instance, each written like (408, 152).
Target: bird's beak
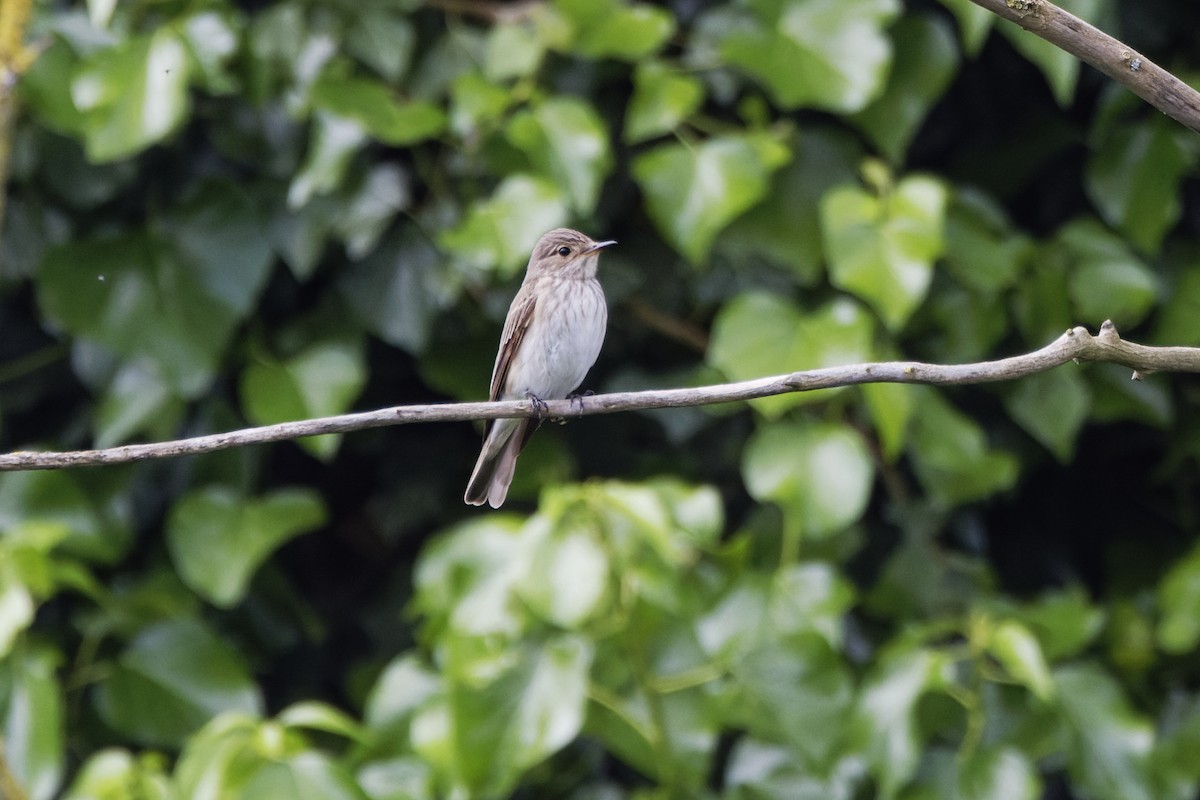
(601, 245)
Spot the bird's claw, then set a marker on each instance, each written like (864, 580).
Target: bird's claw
(576, 399)
(539, 406)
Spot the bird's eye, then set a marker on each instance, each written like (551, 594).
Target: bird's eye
(564, 251)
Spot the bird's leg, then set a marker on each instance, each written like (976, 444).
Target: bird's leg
(539, 407)
(576, 398)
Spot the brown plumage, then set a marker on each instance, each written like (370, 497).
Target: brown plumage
(551, 338)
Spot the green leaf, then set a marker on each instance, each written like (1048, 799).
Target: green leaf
(373, 206)
(883, 249)
(217, 229)
(570, 574)
(662, 99)
(57, 504)
(756, 335)
(951, 455)
(1133, 178)
(309, 775)
(399, 290)
(1019, 653)
(1065, 622)
(114, 774)
(885, 723)
(997, 773)
(1060, 67)
(317, 716)
(784, 227)
(925, 61)
(1179, 599)
(219, 539)
(383, 38)
(32, 721)
(132, 95)
(213, 38)
(137, 400)
(567, 143)
(483, 734)
(983, 252)
(320, 381)
(891, 406)
(797, 690)
(46, 88)
(692, 192)
(170, 680)
(820, 474)
(974, 23)
(335, 140)
(477, 103)
(797, 49)
(373, 106)
(1052, 407)
(499, 233)
(140, 299)
(614, 29)
(1106, 280)
(513, 51)
(1108, 754)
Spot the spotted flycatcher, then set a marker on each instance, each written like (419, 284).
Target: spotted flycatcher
(551, 338)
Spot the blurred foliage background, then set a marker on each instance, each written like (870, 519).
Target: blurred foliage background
(221, 214)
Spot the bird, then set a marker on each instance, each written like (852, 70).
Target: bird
(552, 336)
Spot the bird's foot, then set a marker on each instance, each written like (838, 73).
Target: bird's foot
(576, 399)
(538, 404)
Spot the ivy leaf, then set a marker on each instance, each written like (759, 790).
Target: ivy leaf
(1133, 179)
(662, 98)
(882, 249)
(925, 62)
(132, 95)
(500, 232)
(568, 143)
(614, 29)
(218, 539)
(139, 298)
(797, 49)
(1055, 424)
(319, 381)
(171, 679)
(756, 335)
(820, 474)
(1109, 752)
(692, 193)
(373, 106)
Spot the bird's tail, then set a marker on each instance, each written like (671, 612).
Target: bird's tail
(497, 461)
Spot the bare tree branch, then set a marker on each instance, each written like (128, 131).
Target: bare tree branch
(1118, 61)
(1077, 344)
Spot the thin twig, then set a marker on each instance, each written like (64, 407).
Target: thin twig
(1115, 59)
(1074, 345)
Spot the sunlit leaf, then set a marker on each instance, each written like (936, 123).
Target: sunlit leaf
(692, 192)
(661, 100)
(924, 63)
(797, 49)
(757, 335)
(568, 143)
(821, 474)
(882, 249)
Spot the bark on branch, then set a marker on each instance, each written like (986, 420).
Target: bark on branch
(1118, 61)
(1077, 344)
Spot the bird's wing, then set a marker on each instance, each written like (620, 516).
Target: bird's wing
(515, 326)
